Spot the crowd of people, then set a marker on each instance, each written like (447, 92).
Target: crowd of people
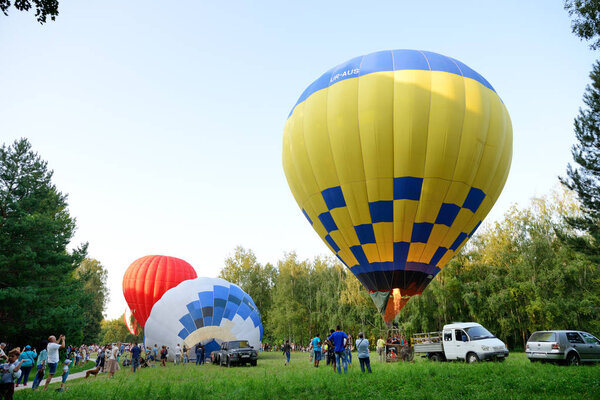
(16, 364)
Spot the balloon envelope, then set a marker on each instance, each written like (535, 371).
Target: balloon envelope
(203, 310)
(130, 321)
(395, 158)
(148, 278)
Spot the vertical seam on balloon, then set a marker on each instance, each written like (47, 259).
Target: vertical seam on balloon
(459, 141)
(362, 159)
(336, 171)
(396, 272)
(426, 148)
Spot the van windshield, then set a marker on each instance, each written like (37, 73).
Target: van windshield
(479, 332)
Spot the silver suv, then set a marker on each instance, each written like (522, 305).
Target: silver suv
(571, 347)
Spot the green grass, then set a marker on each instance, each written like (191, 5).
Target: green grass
(516, 378)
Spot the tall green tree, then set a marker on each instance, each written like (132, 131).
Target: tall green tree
(586, 20)
(254, 278)
(93, 277)
(39, 292)
(584, 178)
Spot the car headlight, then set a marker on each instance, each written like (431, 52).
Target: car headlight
(485, 348)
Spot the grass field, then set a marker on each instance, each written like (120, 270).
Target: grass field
(516, 378)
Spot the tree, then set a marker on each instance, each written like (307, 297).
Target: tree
(93, 276)
(39, 293)
(586, 22)
(255, 279)
(43, 8)
(585, 179)
(115, 330)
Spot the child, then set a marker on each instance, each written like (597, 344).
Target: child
(65, 375)
(10, 371)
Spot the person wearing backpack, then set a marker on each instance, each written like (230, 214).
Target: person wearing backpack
(362, 346)
(163, 356)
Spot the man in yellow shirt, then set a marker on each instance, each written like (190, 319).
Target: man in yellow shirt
(381, 348)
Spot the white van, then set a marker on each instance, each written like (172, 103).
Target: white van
(467, 341)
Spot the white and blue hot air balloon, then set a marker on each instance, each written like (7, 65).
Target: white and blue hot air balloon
(203, 310)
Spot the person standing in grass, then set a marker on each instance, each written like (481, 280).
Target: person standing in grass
(113, 363)
(339, 339)
(185, 354)
(28, 356)
(155, 352)
(362, 347)
(349, 349)
(135, 357)
(286, 351)
(53, 356)
(163, 356)
(316, 345)
(65, 375)
(177, 354)
(9, 371)
(41, 365)
(381, 348)
(199, 354)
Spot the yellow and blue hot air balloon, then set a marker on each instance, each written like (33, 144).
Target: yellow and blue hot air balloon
(395, 158)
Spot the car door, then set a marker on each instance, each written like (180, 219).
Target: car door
(576, 341)
(591, 348)
(455, 349)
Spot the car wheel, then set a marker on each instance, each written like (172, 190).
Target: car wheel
(573, 359)
(435, 358)
(472, 358)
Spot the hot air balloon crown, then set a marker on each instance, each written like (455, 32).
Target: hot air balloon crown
(395, 158)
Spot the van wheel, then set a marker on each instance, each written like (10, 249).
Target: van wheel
(435, 358)
(472, 358)
(573, 359)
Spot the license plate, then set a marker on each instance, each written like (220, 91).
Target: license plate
(539, 354)
(245, 356)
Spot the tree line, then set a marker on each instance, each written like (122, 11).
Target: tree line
(515, 277)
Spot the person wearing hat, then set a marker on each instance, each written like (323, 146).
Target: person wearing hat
(28, 356)
(65, 375)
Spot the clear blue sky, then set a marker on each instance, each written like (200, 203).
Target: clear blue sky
(164, 123)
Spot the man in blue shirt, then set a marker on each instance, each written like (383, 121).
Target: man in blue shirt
(135, 357)
(338, 338)
(316, 344)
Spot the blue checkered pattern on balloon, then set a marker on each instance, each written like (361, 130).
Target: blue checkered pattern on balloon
(405, 188)
(222, 303)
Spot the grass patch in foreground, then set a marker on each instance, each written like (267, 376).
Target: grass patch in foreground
(516, 378)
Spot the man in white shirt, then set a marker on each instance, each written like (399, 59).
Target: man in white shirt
(177, 354)
(53, 357)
